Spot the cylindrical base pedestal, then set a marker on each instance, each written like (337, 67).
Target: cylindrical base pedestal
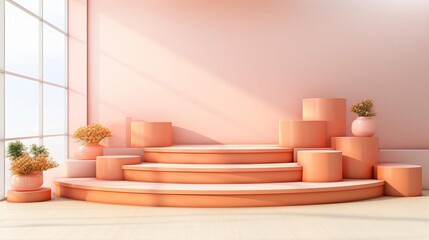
(402, 180)
(321, 165)
(43, 194)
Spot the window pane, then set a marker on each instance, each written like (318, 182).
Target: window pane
(8, 174)
(21, 107)
(54, 11)
(2, 170)
(54, 56)
(54, 110)
(56, 147)
(21, 42)
(32, 5)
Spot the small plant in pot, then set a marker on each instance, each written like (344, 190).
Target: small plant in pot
(364, 125)
(90, 136)
(27, 166)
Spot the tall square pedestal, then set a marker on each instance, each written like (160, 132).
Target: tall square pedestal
(332, 110)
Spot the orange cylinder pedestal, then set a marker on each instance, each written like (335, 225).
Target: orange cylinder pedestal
(110, 167)
(402, 180)
(43, 194)
(360, 155)
(321, 165)
(151, 134)
(332, 110)
(302, 134)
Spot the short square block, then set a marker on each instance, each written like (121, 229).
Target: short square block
(302, 134)
(151, 134)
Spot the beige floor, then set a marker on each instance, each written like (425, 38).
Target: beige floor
(383, 218)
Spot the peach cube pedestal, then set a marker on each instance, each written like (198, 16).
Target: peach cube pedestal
(402, 180)
(151, 134)
(321, 165)
(302, 134)
(332, 110)
(110, 167)
(360, 155)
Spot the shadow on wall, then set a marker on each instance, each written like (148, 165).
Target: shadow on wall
(186, 136)
(250, 62)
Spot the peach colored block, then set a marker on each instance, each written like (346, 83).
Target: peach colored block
(321, 165)
(296, 150)
(43, 194)
(332, 110)
(217, 195)
(360, 155)
(110, 167)
(302, 134)
(402, 180)
(80, 168)
(151, 134)
(124, 151)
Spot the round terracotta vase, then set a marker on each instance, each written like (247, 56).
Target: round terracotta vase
(364, 127)
(90, 151)
(26, 182)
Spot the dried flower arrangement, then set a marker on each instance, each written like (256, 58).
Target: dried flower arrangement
(92, 134)
(28, 162)
(364, 108)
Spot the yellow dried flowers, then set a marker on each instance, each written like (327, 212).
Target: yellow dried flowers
(364, 108)
(23, 162)
(91, 134)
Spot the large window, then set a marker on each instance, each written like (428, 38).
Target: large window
(33, 77)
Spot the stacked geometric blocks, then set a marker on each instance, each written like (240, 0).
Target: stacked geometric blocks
(324, 126)
(244, 175)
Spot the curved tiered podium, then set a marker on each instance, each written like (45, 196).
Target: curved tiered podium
(219, 154)
(217, 195)
(213, 173)
(246, 175)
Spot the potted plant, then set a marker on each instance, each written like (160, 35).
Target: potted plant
(90, 136)
(27, 166)
(364, 125)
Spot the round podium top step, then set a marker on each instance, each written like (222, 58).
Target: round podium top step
(219, 148)
(176, 167)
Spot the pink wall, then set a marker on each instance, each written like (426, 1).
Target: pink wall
(227, 71)
(77, 68)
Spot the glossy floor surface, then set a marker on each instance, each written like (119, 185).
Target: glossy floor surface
(381, 218)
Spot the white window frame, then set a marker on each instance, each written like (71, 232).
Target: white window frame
(40, 80)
